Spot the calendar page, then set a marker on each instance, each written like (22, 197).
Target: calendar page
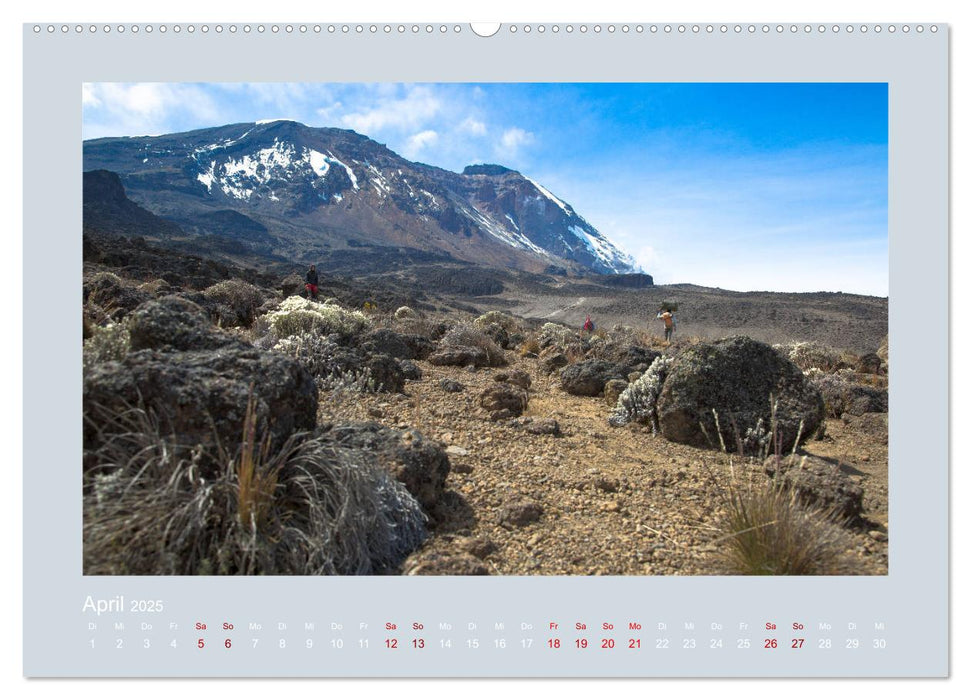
(471, 350)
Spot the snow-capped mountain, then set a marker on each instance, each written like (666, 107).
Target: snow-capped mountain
(282, 187)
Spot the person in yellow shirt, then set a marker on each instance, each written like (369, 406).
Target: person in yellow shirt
(668, 319)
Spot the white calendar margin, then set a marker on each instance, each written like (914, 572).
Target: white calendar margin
(382, 11)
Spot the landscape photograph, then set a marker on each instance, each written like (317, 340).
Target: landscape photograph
(506, 329)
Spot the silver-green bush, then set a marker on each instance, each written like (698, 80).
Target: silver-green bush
(107, 343)
(297, 315)
(638, 402)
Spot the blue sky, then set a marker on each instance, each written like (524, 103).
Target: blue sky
(753, 186)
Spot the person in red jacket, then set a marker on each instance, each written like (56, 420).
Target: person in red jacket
(312, 282)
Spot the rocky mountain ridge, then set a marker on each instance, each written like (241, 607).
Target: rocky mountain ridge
(284, 189)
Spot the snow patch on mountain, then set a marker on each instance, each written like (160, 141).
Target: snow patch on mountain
(603, 250)
(350, 173)
(497, 230)
(549, 195)
(318, 162)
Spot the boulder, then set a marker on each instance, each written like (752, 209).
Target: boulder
(738, 379)
(201, 395)
(554, 360)
(843, 395)
(386, 373)
(589, 377)
(638, 359)
(420, 346)
(417, 462)
(174, 323)
(386, 342)
(504, 400)
(820, 484)
(459, 356)
(515, 376)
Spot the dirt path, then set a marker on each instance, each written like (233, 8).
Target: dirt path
(615, 501)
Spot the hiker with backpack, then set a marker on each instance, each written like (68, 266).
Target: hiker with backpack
(312, 282)
(667, 316)
(588, 325)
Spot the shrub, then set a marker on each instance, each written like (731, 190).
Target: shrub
(241, 298)
(466, 335)
(769, 533)
(310, 508)
(334, 368)
(812, 354)
(555, 334)
(404, 312)
(505, 321)
(106, 343)
(297, 315)
(638, 402)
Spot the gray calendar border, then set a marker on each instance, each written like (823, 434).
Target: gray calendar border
(912, 601)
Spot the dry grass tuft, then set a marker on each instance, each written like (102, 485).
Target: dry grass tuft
(155, 507)
(769, 533)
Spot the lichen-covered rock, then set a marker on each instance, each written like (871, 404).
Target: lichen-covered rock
(589, 377)
(386, 342)
(417, 462)
(841, 394)
(736, 379)
(201, 395)
(174, 323)
(819, 484)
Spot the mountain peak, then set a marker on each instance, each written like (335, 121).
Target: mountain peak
(488, 169)
(299, 188)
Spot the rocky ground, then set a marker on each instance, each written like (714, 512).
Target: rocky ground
(593, 500)
(495, 427)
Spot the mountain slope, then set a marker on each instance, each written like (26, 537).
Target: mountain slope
(283, 188)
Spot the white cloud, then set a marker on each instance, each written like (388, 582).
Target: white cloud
(133, 109)
(88, 96)
(472, 126)
(516, 137)
(390, 111)
(417, 142)
(512, 140)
